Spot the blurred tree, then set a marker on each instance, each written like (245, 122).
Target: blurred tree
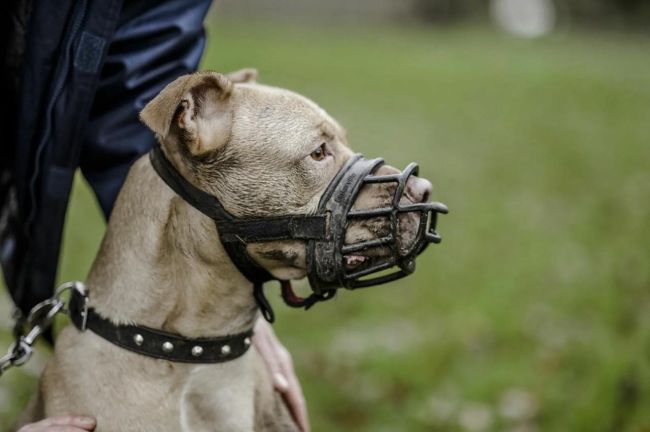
(586, 12)
(625, 12)
(441, 11)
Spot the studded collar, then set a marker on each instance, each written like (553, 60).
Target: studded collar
(156, 343)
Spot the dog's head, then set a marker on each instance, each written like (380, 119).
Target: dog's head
(265, 151)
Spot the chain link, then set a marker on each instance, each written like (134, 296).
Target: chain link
(29, 329)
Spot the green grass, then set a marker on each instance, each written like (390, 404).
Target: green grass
(539, 295)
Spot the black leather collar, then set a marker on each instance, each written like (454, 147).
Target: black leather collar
(156, 343)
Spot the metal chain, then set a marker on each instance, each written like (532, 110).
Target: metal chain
(29, 329)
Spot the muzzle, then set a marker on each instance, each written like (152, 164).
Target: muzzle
(324, 232)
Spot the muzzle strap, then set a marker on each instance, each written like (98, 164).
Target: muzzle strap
(331, 261)
(233, 240)
(207, 204)
(231, 229)
(267, 229)
(235, 233)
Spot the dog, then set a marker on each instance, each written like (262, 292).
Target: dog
(262, 151)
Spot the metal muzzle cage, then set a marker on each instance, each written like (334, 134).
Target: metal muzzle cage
(326, 257)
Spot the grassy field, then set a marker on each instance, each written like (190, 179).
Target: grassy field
(534, 312)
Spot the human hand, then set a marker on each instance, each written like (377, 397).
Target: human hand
(280, 365)
(61, 424)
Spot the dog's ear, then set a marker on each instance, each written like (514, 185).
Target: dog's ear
(246, 75)
(194, 110)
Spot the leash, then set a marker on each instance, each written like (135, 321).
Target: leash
(139, 339)
(29, 329)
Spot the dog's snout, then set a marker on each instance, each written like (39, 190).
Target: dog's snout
(386, 170)
(418, 189)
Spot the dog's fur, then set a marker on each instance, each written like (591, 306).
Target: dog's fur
(161, 264)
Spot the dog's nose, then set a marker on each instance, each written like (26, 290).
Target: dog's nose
(418, 189)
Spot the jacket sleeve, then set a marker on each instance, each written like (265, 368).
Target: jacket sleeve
(154, 43)
(88, 69)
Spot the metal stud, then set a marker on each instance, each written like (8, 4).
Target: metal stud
(225, 350)
(168, 347)
(247, 342)
(197, 350)
(138, 339)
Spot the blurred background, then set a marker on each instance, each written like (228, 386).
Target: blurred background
(532, 120)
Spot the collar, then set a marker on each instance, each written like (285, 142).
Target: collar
(156, 343)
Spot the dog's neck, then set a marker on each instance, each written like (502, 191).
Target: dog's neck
(161, 265)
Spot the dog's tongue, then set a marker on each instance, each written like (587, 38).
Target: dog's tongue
(289, 296)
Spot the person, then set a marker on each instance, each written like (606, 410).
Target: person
(75, 75)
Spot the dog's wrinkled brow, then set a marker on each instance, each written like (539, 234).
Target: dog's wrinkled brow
(327, 129)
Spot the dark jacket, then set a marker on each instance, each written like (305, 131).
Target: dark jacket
(75, 75)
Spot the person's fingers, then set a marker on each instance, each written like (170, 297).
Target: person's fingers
(293, 395)
(280, 365)
(266, 344)
(280, 382)
(75, 423)
(295, 401)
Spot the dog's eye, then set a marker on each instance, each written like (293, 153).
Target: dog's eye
(320, 153)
